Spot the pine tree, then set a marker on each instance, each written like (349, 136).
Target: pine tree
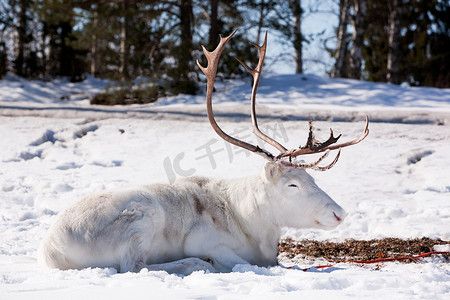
(57, 18)
(358, 21)
(427, 34)
(375, 49)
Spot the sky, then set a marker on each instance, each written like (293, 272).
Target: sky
(319, 21)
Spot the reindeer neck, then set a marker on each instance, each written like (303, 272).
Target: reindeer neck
(253, 209)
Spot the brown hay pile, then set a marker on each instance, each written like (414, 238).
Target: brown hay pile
(358, 250)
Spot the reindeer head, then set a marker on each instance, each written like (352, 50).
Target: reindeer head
(286, 181)
(297, 201)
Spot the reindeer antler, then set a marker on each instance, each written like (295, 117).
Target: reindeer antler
(312, 145)
(210, 73)
(256, 73)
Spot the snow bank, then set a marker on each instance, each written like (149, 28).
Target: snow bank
(287, 97)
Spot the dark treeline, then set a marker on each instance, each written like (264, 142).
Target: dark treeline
(394, 41)
(125, 39)
(378, 40)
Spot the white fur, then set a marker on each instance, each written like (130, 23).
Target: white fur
(195, 224)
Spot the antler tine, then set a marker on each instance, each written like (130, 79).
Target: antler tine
(213, 57)
(256, 73)
(210, 73)
(314, 165)
(327, 145)
(317, 168)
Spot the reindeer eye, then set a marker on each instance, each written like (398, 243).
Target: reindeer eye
(293, 185)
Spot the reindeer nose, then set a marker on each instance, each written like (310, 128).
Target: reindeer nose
(339, 216)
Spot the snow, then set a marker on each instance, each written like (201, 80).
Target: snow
(56, 148)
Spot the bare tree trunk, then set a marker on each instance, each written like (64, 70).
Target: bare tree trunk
(22, 31)
(66, 52)
(123, 42)
(186, 32)
(395, 10)
(186, 85)
(213, 29)
(43, 48)
(298, 37)
(94, 44)
(360, 8)
(3, 59)
(341, 43)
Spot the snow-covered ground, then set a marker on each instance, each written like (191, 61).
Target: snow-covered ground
(55, 148)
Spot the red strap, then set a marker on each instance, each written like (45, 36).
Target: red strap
(374, 261)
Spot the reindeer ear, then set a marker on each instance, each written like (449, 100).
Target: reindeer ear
(273, 171)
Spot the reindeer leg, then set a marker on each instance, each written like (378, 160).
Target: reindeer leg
(184, 266)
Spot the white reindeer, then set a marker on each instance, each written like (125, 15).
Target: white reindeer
(199, 223)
